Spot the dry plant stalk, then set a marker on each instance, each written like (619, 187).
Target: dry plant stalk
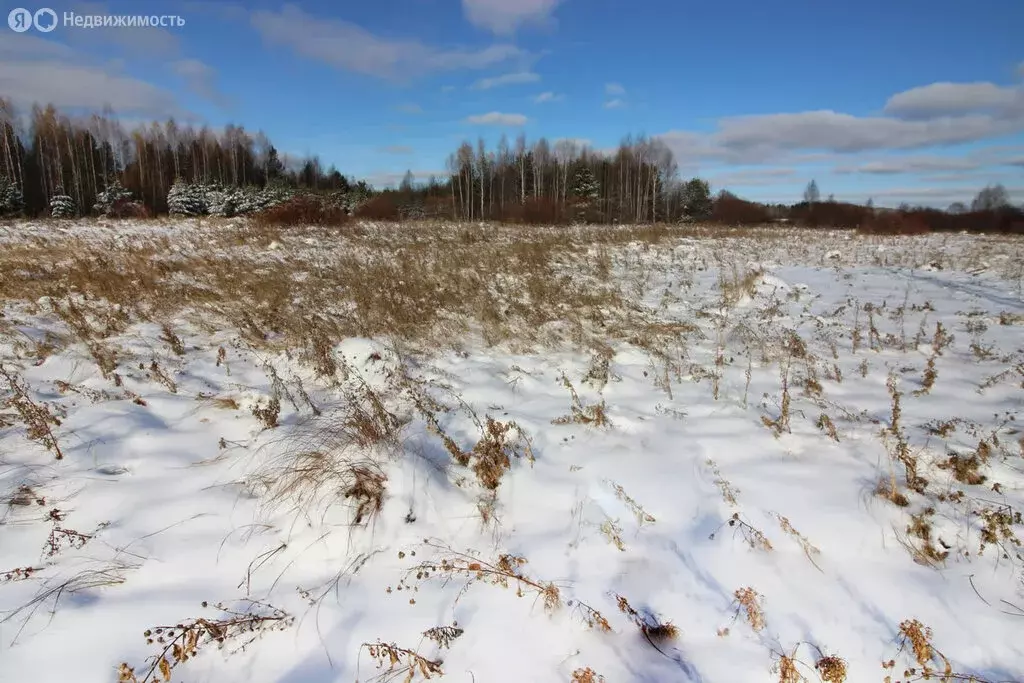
(590, 616)
(37, 416)
(810, 550)
(748, 601)
(826, 425)
(728, 492)
(506, 569)
(751, 535)
(490, 456)
(653, 629)
(613, 532)
(901, 450)
(929, 377)
(172, 340)
(781, 423)
(18, 574)
(586, 675)
(183, 641)
(832, 669)
(642, 516)
(582, 414)
(444, 636)
(786, 669)
(931, 664)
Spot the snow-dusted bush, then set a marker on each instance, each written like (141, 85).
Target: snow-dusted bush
(63, 206)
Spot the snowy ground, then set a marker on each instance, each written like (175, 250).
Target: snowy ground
(283, 440)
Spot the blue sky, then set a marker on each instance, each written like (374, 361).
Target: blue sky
(899, 101)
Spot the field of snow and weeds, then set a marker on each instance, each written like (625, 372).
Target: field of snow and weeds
(508, 454)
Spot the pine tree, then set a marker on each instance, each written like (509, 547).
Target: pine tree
(186, 199)
(225, 202)
(585, 191)
(112, 199)
(62, 205)
(697, 203)
(11, 201)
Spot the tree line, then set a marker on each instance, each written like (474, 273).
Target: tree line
(55, 164)
(47, 154)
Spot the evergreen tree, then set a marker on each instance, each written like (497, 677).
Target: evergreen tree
(186, 199)
(584, 186)
(11, 201)
(62, 205)
(697, 203)
(112, 198)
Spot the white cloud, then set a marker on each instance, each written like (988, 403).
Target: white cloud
(397, 149)
(506, 79)
(505, 16)
(753, 177)
(615, 104)
(34, 70)
(945, 99)
(614, 89)
(547, 97)
(771, 137)
(200, 79)
(495, 118)
(938, 196)
(912, 165)
(139, 41)
(410, 108)
(579, 142)
(346, 46)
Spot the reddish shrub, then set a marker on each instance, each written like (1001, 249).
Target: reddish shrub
(438, 207)
(895, 223)
(830, 215)
(383, 207)
(731, 210)
(535, 211)
(128, 209)
(302, 211)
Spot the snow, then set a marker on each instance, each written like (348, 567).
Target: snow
(180, 486)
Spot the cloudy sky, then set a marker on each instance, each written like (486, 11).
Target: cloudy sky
(897, 100)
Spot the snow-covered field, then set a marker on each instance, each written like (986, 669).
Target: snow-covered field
(508, 454)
